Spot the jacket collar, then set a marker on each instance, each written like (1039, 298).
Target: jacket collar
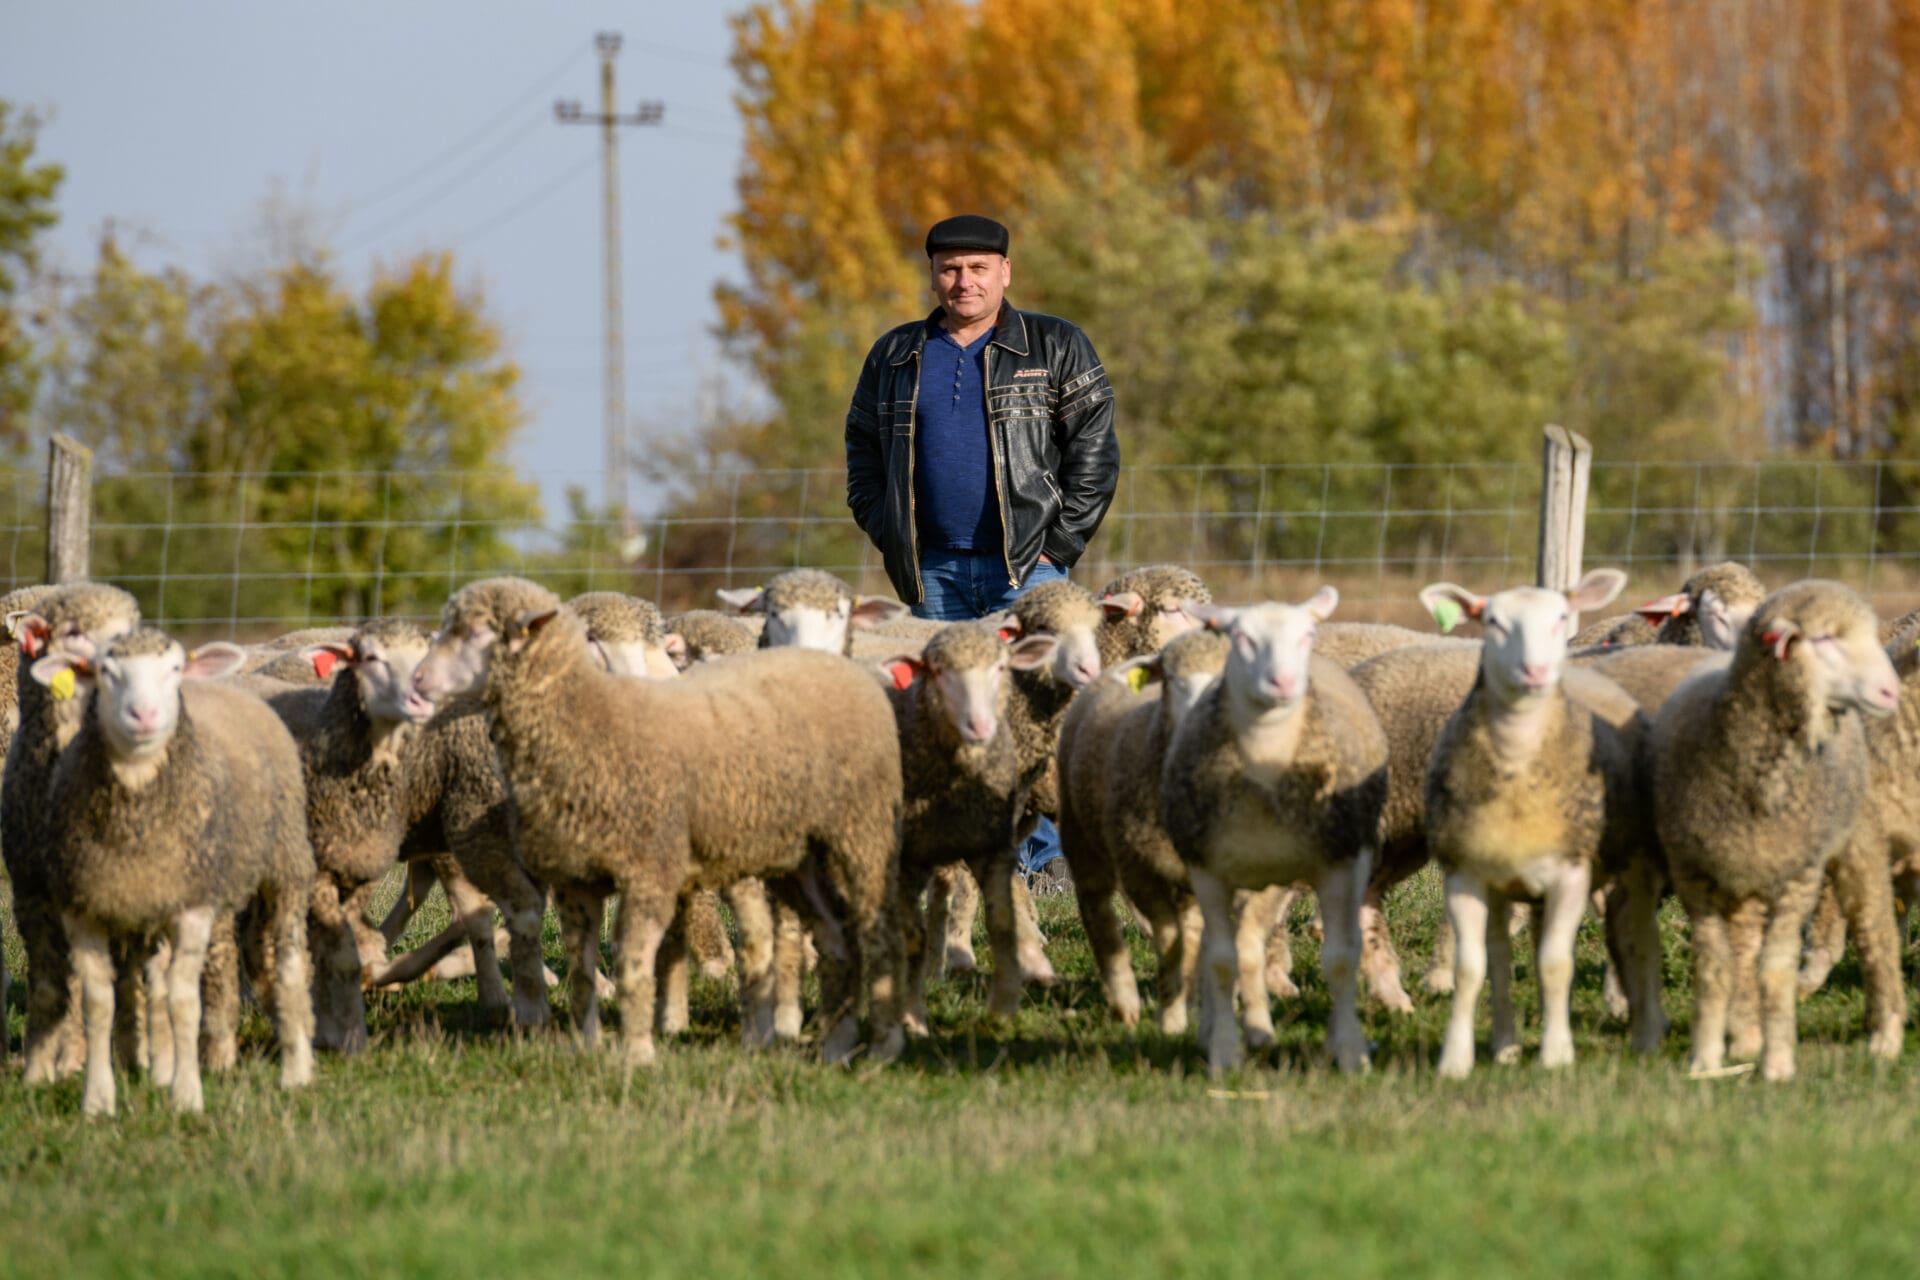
(1009, 334)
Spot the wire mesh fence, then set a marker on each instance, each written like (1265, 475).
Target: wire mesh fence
(253, 553)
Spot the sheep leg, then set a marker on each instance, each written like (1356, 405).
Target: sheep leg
(1633, 942)
(1443, 965)
(1340, 889)
(339, 1006)
(789, 971)
(1379, 962)
(1503, 1046)
(159, 1042)
(866, 878)
(707, 943)
(1566, 902)
(1220, 967)
(292, 1001)
(1255, 918)
(1166, 909)
(220, 998)
(581, 911)
(192, 935)
(420, 878)
(1277, 971)
(1826, 939)
(1094, 887)
(918, 949)
(1712, 985)
(839, 963)
(1746, 931)
(497, 872)
(643, 921)
(1859, 878)
(474, 912)
(424, 960)
(1030, 943)
(754, 955)
(130, 1046)
(1779, 962)
(670, 970)
(1467, 912)
(51, 1011)
(92, 963)
(995, 874)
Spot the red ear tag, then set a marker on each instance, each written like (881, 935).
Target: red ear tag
(324, 662)
(1008, 633)
(902, 673)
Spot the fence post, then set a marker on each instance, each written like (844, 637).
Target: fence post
(1564, 469)
(69, 509)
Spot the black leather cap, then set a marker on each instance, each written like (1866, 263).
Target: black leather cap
(967, 231)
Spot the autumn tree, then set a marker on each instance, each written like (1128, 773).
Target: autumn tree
(27, 191)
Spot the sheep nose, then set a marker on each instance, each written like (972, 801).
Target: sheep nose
(1284, 688)
(1085, 673)
(1535, 675)
(980, 728)
(145, 719)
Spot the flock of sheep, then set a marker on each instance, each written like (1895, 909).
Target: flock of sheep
(182, 826)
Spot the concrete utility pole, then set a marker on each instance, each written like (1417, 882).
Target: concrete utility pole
(567, 111)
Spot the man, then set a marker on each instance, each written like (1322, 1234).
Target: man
(980, 448)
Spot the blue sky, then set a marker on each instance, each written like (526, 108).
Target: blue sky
(407, 126)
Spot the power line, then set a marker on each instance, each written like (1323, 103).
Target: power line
(480, 133)
(441, 192)
(533, 201)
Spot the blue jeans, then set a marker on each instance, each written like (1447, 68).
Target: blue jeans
(963, 585)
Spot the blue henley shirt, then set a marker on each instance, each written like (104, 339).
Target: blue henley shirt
(955, 501)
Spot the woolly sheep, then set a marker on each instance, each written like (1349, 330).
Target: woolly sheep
(1708, 611)
(1113, 743)
(176, 803)
(965, 791)
(1529, 793)
(1277, 774)
(1348, 644)
(706, 634)
(627, 633)
(1147, 607)
(20, 601)
(79, 619)
(810, 609)
(744, 785)
(1759, 773)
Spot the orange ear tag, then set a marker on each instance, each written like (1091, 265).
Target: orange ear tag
(902, 673)
(324, 662)
(30, 644)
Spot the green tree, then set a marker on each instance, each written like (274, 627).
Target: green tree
(27, 193)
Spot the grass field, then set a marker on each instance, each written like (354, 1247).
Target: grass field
(1061, 1147)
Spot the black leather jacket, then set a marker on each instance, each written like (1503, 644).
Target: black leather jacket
(1050, 418)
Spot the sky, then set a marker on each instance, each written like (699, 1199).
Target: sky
(408, 126)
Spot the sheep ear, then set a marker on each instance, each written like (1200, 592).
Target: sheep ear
(528, 624)
(1034, 651)
(1449, 603)
(1596, 590)
(1138, 673)
(1780, 637)
(47, 670)
(868, 614)
(1324, 602)
(1121, 604)
(1673, 606)
(904, 668)
(1008, 625)
(326, 656)
(743, 599)
(212, 661)
(31, 630)
(676, 646)
(1211, 616)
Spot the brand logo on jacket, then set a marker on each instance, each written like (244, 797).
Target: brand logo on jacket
(1030, 373)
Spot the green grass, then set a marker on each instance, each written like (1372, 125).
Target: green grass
(1063, 1146)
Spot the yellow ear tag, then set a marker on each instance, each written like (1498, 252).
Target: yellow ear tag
(1447, 614)
(1137, 679)
(61, 686)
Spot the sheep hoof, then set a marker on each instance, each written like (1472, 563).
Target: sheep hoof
(1438, 982)
(1224, 1059)
(1391, 995)
(1173, 1019)
(1281, 986)
(530, 1012)
(889, 1047)
(1507, 1055)
(1777, 1069)
(1813, 971)
(840, 1043)
(1259, 1038)
(1887, 1042)
(1455, 1066)
(1036, 970)
(915, 1023)
(1554, 1057)
(960, 960)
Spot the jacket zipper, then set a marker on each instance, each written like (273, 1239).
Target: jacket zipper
(913, 516)
(999, 469)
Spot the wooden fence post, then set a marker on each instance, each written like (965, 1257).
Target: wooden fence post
(69, 509)
(1564, 469)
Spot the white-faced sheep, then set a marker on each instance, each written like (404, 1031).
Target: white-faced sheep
(1530, 792)
(965, 796)
(1759, 775)
(177, 803)
(811, 609)
(1277, 774)
(1708, 611)
(80, 620)
(781, 765)
(707, 634)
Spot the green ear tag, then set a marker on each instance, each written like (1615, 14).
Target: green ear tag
(1447, 614)
(1137, 679)
(61, 686)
